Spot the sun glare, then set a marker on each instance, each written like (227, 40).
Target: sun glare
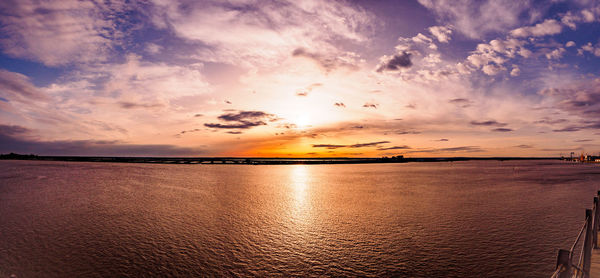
(302, 121)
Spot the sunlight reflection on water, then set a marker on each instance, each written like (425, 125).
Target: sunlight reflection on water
(299, 183)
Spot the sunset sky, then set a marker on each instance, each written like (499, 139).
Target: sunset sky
(300, 78)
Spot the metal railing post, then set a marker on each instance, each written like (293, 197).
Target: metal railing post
(562, 262)
(595, 225)
(587, 244)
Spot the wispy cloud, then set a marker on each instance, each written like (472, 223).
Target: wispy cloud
(359, 145)
(348, 60)
(16, 139)
(488, 123)
(524, 146)
(86, 31)
(462, 102)
(403, 147)
(132, 105)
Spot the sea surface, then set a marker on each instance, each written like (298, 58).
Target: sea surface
(444, 219)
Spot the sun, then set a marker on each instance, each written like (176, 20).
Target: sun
(302, 121)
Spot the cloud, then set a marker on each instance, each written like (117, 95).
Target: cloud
(263, 33)
(153, 48)
(359, 145)
(441, 33)
(490, 57)
(395, 62)
(287, 125)
(328, 146)
(547, 120)
(502, 129)
(476, 18)
(583, 140)
(548, 27)
(404, 132)
(516, 71)
(187, 131)
(588, 16)
(85, 31)
(580, 97)
(13, 130)
(443, 140)
(570, 44)
(242, 120)
(461, 149)
(589, 48)
(242, 125)
(371, 144)
(462, 102)
(523, 146)
(556, 53)
(488, 123)
(468, 149)
(567, 129)
(569, 19)
(198, 115)
(339, 104)
(16, 139)
(17, 87)
(370, 105)
(420, 38)
(132, 105)
(582, 126)
(304, 92)
(348, 60)
(492, 69)
(403, 147)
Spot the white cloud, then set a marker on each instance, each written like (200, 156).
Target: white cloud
(492, 69)
(420, 38)
(588, 16)
(153, 48)
(548, 27)
(268, 32)
(441, 33)
(569, 19)
(476, 18)
(17, 87)
(589, 48)
(516, 71)
(491, 56)
(555, 54)
(57, 32)
(570, 44)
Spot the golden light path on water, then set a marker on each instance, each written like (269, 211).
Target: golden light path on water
(300, 183)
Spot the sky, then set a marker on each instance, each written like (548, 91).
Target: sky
(311, 78)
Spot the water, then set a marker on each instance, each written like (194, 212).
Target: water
(459, 219)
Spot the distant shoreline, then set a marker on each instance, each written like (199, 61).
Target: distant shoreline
(257, 160)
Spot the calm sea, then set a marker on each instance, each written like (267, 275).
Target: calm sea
(447, 219)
